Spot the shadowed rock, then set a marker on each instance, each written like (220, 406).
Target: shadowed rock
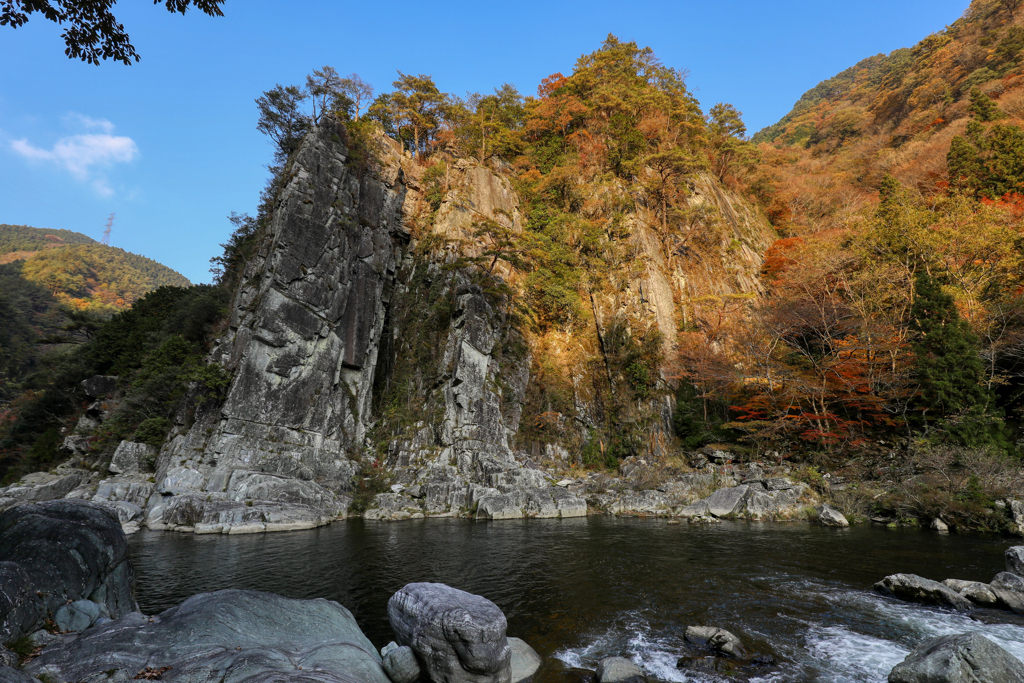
(525, 660)
(1015, 560)
(242, 635)
(57, 552)
(964, 658)
(457, 636)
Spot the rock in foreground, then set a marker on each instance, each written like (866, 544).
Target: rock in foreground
(237, 634)
(619, 670)
(964, 658)
(913, 588)
(59, 552)
(458, 637)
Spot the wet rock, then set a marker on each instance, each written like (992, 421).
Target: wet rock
(258, 636)
(1009, 588)
(400, 664)
(216, 514)
(67, 551)
(715, 639)
(829, 516)
(132, 457)
(964, 658)
(975, 591)
(1015, 560)
(940, 526)
(619, 670)
(525, 660)
(913, 588)
(457, 636)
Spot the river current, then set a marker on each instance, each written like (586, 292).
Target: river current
(579, 590)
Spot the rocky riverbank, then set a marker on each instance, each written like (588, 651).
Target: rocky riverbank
(68, 615)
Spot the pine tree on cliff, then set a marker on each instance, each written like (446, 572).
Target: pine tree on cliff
(949, 372)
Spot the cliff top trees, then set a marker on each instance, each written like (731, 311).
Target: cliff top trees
(282, 119)
(93, 32)
(416, 105)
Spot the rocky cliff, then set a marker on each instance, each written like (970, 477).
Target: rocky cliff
(381, 362)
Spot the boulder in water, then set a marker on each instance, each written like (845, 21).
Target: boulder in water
(829, 516)
(964, 658)
(975, 591)
(619, 670)
(525, 660)
(1015, 560)
(266, 636)
(718, 640)
(1009, 588)
(913, 588)
(458, 637)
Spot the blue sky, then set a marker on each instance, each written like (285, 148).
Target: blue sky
(169, 144)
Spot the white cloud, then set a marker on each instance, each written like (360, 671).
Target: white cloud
(83, 154)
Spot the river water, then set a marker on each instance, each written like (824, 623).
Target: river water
(582, 589)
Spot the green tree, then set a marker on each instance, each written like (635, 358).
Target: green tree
(415, 105)
(949, 372)
(983, 108)
(325, 90)
(93, 32)
(282, 119)
(727, 135)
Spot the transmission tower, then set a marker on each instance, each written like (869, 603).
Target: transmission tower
(106, 233)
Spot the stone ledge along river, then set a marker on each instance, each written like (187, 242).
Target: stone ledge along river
(582, 589)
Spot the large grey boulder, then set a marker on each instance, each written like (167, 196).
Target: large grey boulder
(724, 502)
(829, 516)
(619, 670)
(717, 640)
(132, 457)
(242, 635)
(457, 636)
(1015, 560)
(1009, 588)
(914, 588)
(964, 658)
(57, 552)
(525, 660)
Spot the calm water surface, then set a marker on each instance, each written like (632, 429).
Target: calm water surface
(582, 589)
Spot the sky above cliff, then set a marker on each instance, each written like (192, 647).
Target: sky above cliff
(170, 146)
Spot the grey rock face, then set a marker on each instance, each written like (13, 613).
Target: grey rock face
(715, 639)
(1015, 560)
(619, 670)
(725, 502)
(247, 635)
(40, 486)
(964, 658)
(401, 666)
(1017, 510)
(78, 615)
(67, 551)
(457, 636)
(829, 516)
(549, 502)
(11, 675)
(132, 457)
(525, 660)
(913, 588)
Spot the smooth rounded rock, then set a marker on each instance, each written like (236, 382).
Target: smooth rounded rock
(525, 660)
(829, 516)
(401, 666)
(715, 639)
(619, 670)
(77, 616)
(458, 637)
(963, 658)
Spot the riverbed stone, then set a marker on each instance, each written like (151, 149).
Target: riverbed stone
(400, 664)
(1009, 588)
(69, 550)
(913, 588)
(715, 639)
(619, 670)
(1015, 560)
(458, 637)
(975, 591)
(962, 658)
(728, 501)
(525, 660)
(246, 635)
(829, 516)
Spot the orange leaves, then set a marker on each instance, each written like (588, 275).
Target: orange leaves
(550, 84)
